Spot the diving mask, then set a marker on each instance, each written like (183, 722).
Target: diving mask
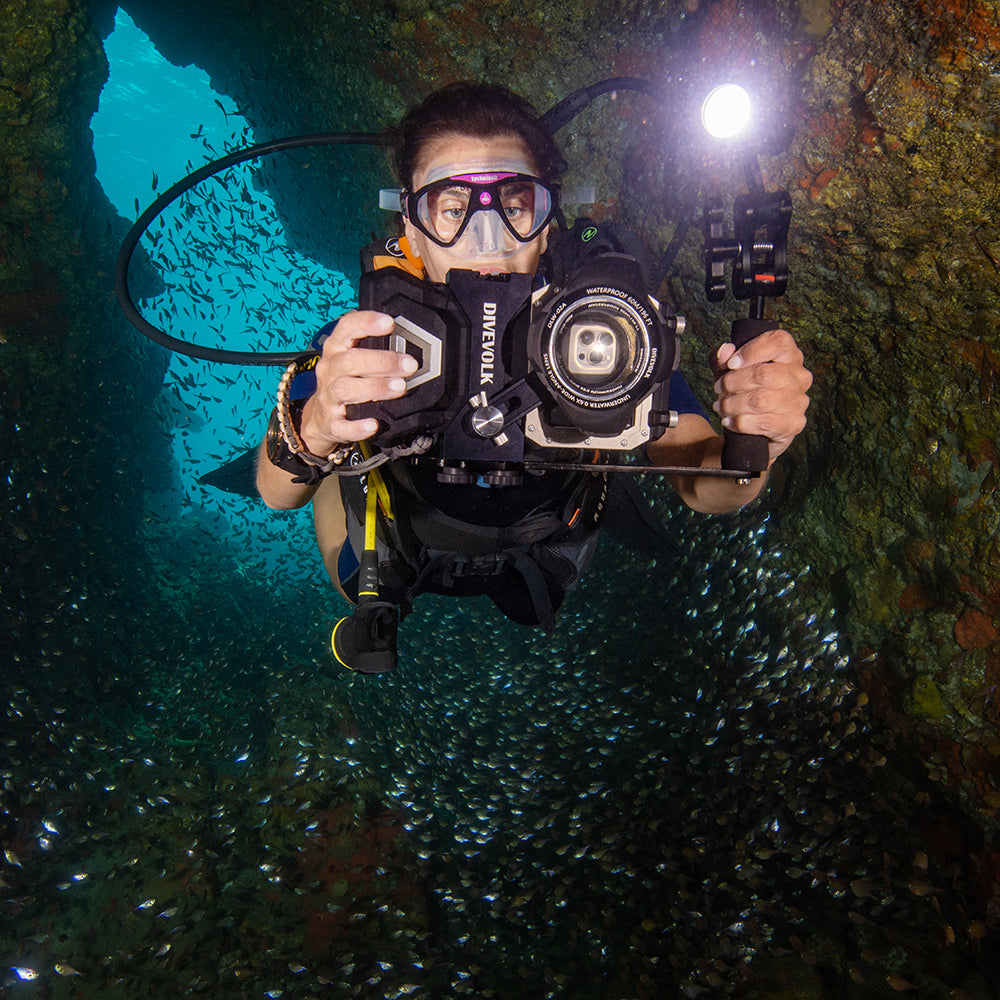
(484, 213)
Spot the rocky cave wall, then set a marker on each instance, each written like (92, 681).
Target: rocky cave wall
(75, 384)
(888, 501)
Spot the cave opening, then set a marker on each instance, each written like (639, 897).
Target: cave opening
(224, 277)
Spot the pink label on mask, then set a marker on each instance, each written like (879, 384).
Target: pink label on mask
(481, 178)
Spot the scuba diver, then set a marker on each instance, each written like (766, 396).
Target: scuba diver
(479, 173)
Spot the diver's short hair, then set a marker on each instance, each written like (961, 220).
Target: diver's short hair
(481, 110)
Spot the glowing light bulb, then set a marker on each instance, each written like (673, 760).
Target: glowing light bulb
(726, 111)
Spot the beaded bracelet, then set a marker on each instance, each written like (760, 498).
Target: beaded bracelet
(290, 432)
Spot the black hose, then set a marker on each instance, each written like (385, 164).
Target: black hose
(133, 236)
(554, 119)
(569, 107)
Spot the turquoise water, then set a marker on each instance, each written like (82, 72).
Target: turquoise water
(679, 793)
(230, 282)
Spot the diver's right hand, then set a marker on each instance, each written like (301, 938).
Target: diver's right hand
(348, 374)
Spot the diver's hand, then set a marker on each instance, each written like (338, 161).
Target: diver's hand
(762, 388)
(348, 374)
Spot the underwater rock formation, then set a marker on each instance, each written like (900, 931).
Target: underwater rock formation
(75, 384)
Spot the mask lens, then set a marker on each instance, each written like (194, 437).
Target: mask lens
(525, 206)
(442, 210)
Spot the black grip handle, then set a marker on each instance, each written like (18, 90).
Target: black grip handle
(746, 452)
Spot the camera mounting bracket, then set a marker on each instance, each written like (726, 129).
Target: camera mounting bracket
(759, 251)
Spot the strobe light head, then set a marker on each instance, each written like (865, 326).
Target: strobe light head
(726, 111)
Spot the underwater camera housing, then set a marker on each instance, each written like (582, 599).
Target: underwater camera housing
(582, 364)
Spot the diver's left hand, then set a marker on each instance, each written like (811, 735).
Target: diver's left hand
(762, 388)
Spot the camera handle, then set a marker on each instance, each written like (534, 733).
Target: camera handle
(747, 452)
(759, 255)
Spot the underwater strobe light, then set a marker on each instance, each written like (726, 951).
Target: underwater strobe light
(726, 111)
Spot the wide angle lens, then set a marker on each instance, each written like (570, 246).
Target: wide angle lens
(599, 348)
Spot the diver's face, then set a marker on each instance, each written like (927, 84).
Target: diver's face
(455, 155)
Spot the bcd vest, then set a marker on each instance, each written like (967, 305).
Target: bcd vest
(525, 567)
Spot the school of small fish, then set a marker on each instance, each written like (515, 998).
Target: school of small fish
(677, 793)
